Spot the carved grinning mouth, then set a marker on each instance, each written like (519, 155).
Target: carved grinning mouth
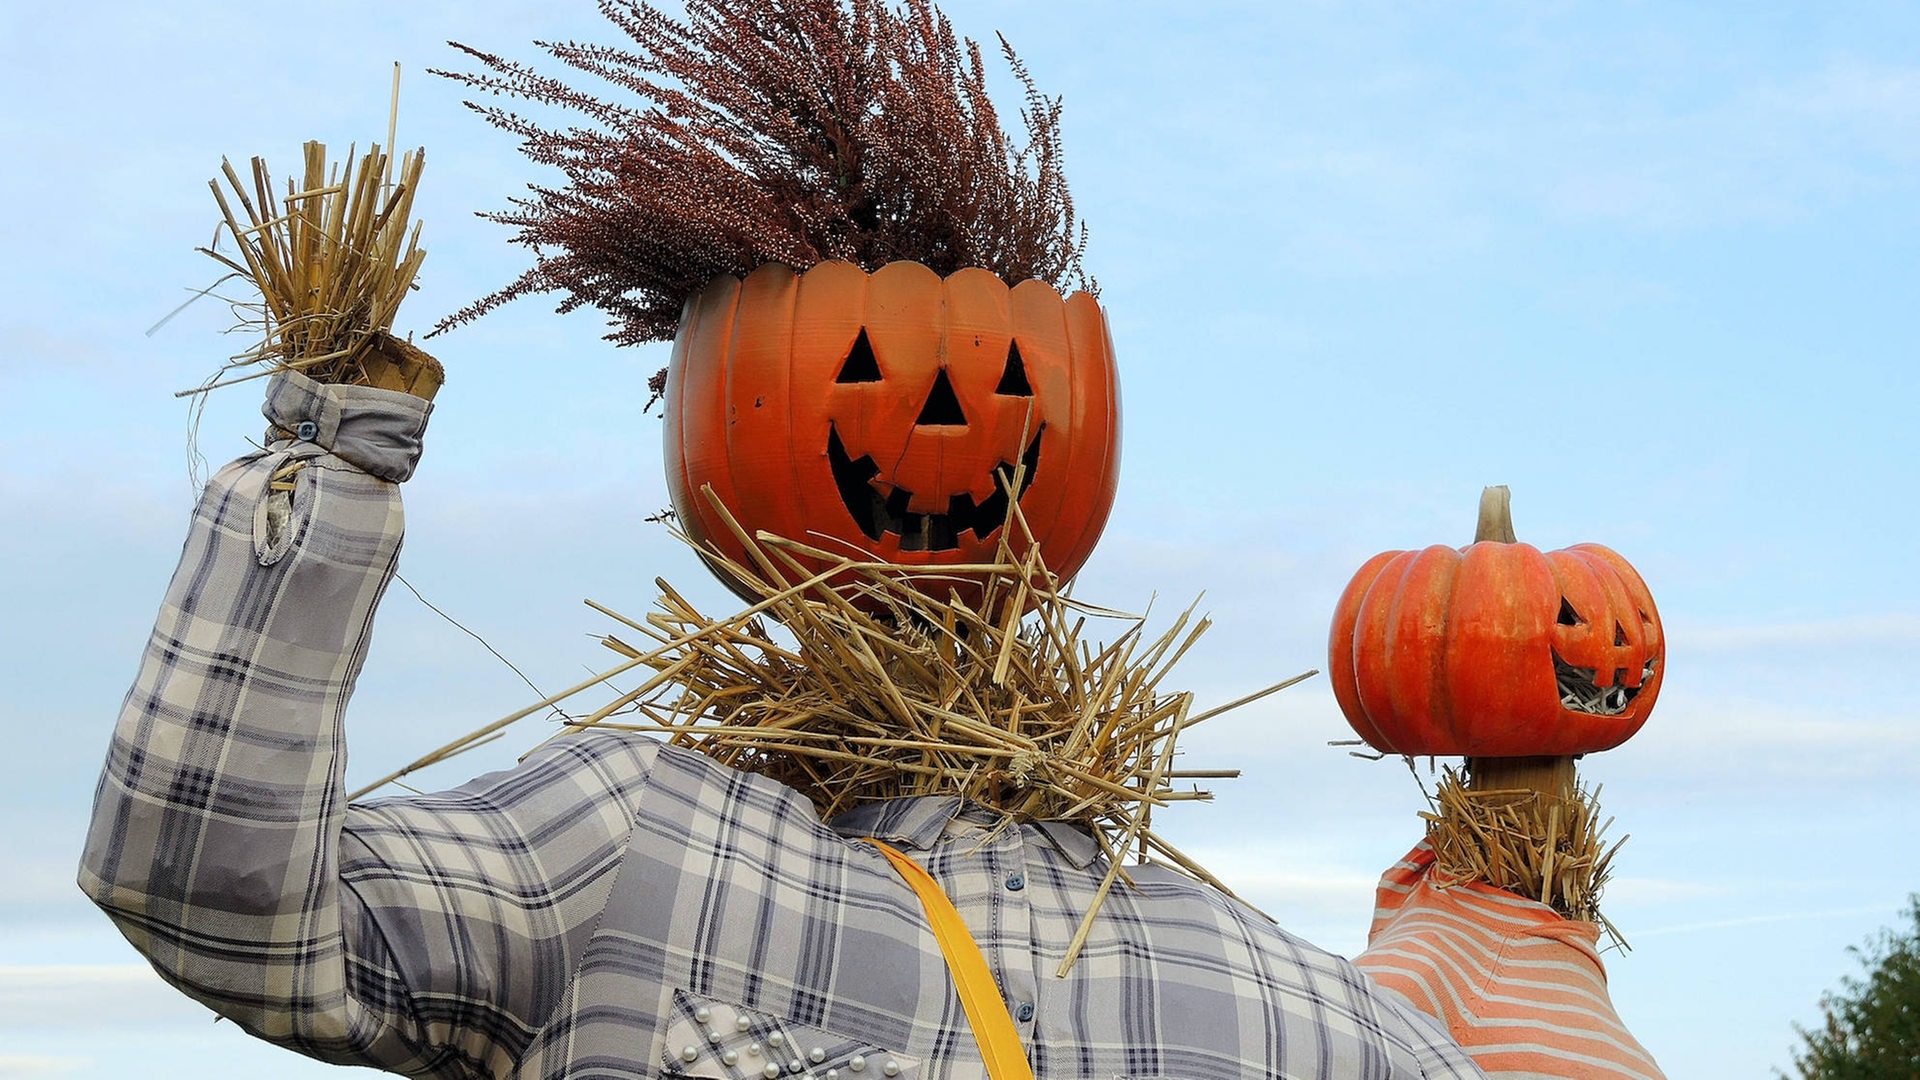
(878, 514)
(1579, 692)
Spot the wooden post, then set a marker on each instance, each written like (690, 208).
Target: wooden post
(1549, 775)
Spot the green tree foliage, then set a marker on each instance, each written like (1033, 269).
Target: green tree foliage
(1872, 1029)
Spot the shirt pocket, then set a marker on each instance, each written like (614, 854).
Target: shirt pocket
(715, 1040)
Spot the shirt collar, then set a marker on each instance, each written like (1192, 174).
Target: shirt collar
(913, 822)
(1071, 840)
(918, 823)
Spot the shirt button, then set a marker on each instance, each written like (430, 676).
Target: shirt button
(1024, 1012)
(1016, 882)
(307, 430)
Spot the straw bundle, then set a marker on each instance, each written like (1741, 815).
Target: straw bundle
(332, 259)
(1546, 845)
(1020, 714)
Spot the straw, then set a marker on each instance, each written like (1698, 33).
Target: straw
(332, 259)
(904, 693)
(1538, 844)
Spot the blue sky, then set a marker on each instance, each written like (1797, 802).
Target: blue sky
(1652, 266)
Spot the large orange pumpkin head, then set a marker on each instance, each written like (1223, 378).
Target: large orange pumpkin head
(1496, 650)
(886, 413)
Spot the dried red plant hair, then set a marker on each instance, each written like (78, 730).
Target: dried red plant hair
(759, 131)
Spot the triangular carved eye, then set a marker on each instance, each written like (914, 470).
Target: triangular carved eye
(1013, 381)
(861, 365)
(1619, 635)
(943, 406)
(1568, 616)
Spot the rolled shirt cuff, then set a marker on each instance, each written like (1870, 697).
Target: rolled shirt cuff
(378, 431)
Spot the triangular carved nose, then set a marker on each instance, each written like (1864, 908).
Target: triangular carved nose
(943, 405)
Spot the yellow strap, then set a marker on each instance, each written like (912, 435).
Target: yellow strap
(986, 1009)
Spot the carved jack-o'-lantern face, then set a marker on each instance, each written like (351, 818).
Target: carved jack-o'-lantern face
(1496, 650)
(887, 413)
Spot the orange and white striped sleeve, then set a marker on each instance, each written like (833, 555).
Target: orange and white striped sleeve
(1520, 988)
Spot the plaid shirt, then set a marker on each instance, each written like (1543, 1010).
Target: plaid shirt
(614, 907)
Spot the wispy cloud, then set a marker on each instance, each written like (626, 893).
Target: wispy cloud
(1725, 743)
(1635, 892)
(1436, 177)
(39, 883)
(42, 997)
(1759, 920)
(1851, 630)
(1758, 150)
(23, 1066)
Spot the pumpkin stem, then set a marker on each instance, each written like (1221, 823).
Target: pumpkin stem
(1496, 515)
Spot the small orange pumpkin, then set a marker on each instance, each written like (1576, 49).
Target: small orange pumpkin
(885, 413)
(1496, 649)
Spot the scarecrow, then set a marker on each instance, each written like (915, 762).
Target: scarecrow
(892, 819)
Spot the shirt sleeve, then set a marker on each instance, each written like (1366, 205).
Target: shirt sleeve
(221, 843)
(1522, 989)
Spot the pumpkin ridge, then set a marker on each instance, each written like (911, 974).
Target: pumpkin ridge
(1503, 651)
(1068, 346)
(673, 451)
(1343, 641)
(700, 408)
(1436, 609)
(1407, 669)
(1082, 369)
(1088, 359)
(1376, 616)
(828, 321)
(758, 368)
